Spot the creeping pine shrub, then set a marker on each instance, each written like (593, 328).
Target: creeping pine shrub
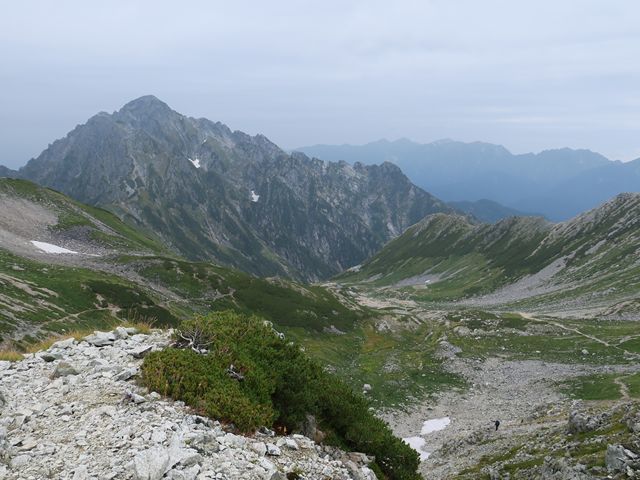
(251, 377)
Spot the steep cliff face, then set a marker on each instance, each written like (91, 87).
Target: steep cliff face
(216, 194)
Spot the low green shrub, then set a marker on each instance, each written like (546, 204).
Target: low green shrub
(251, 377)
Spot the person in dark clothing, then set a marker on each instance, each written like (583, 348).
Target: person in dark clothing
(497, 424)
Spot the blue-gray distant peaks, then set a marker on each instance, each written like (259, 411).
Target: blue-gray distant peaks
(557, 183)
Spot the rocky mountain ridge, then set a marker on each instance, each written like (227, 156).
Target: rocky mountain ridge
(592, 259)
(215, 194)
(557, 183)
(74, 411)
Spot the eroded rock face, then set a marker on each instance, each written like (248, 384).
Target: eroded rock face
(91, 421)
(259, 208)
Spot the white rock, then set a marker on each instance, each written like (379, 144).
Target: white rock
(158, 436)
(266, 464)
(100, 339)
(63, 344)
(151, 464)
(20, 461)
(291, 444)
(81, 473)
(273, 450)
(121, 333)
(259, 447)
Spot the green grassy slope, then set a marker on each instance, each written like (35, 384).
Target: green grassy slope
(593, 256)
(100, 226)
(134, 277)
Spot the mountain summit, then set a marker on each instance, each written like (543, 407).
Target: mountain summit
(215, 194)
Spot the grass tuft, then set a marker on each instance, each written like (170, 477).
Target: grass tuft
(10, 355)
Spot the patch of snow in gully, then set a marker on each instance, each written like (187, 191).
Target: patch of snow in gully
(50, 248)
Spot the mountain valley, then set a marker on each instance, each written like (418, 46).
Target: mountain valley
(444, 323)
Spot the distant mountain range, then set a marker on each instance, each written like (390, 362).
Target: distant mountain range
(555, 183)
(210, 193)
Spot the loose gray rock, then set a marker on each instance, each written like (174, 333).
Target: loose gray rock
(151, 464)
(93, 425)
(273, 450)
(63, 344)
(81, 473)
(100, 339)
(617, 458)
(580, 422)
(140, 352)
(49, 357)
(63, 369)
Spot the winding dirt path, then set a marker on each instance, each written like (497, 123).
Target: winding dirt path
(578, 332)
(624, 390)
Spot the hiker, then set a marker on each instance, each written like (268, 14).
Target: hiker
(497, 424)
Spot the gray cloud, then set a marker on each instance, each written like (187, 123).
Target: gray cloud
(529, 75)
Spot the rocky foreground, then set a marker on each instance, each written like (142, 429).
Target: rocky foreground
(75, 412)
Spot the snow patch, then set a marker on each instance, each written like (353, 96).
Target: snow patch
(50, 248)
(254, 196)
(195, 162)
(429, 426)
(434, 425)
(417, 443)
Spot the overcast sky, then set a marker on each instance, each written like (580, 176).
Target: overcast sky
(529, 75)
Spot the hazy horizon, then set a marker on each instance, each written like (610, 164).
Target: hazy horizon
(531, 77)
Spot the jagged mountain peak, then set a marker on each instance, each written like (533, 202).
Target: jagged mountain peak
(146, 102)
(213, 194)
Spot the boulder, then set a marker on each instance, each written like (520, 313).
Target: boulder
(121, 333)
(260, 448)
(48, 356)
(151, 464)
(291, 444)
(139, 352)
(63, 344)
(126, 374)
(618, 458)
(20, 461)
(273, 450)
(100, 339)
(561, 469)
(309, 426)
(580, 422)
(63, 369)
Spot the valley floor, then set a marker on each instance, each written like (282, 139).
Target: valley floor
(522, 395)
(527, 371)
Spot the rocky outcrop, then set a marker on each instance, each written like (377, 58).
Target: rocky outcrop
(581, 422)
(621, 459)
(75, 412)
